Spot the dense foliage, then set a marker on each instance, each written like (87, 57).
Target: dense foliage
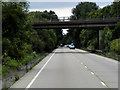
(44, 16)
(47, 16)
(115, 46)
(78, 36)
(90, 38)
(21, 43)
(83, 9)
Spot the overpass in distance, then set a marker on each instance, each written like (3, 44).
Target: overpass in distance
(94, 24)
(89, 24)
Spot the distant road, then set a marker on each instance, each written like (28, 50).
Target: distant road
(68, 68)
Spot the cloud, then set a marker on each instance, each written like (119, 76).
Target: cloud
(71, 0)
(61, 12)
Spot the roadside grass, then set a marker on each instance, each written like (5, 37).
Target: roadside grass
(5, 70)
(29, 58)
(32, 67)
(113, 56)
(38, 62)
(0, 72)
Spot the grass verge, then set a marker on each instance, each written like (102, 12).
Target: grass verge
(27, 58)
(38, 62)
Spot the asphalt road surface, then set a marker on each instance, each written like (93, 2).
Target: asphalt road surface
(69, 68)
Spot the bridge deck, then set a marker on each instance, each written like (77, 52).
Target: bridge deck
(83, 24)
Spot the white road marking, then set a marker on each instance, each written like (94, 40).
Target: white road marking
(85, 67)
(103, 83)
(92, 73)
(28, 86)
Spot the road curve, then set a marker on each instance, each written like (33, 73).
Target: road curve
(68, 68)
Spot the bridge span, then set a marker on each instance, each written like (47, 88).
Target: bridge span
(89, 24)
(94, 24)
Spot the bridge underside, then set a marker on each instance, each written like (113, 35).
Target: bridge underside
(93, 27)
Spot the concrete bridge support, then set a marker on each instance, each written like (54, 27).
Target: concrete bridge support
(100, 46)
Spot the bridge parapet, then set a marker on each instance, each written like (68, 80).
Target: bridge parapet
(62, 19)
(81, 23)
(88, 20)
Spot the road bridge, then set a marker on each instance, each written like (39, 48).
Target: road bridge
(94, 24)
(89, 24)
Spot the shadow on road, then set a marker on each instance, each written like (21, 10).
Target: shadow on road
(71, 52)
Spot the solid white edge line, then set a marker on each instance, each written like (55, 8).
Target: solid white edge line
(103, 83)
(28, 86)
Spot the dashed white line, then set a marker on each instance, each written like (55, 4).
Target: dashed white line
(103, 83)
(92, 73)
(28, 86)
(85, 67)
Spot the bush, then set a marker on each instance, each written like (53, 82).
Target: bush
(106, 37)
(5, 70)
(93, 44)
(84, 38)
(27, 59)
(115, 46)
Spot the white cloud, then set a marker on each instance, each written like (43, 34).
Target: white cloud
(60, 0)
(71, 0)
(61, 12)
(101, 6)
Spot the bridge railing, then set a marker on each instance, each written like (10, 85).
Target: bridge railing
(87, 19)
(66, 19)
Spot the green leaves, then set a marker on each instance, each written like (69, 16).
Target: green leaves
(106, 38)
(116, 31)
(82, 9)
(43, 16)
(49, 38)
(109, 11)
(19, 37)
(13, 63)
(115, 46)
(89, 39)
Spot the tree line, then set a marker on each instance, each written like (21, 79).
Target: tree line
(20, 42)
(88, 39)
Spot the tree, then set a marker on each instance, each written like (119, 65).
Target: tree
(49, 37)
(89, 38)
(14, 21)
(106, 38)
(116, 31)
(82, 10)
(116, 9)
